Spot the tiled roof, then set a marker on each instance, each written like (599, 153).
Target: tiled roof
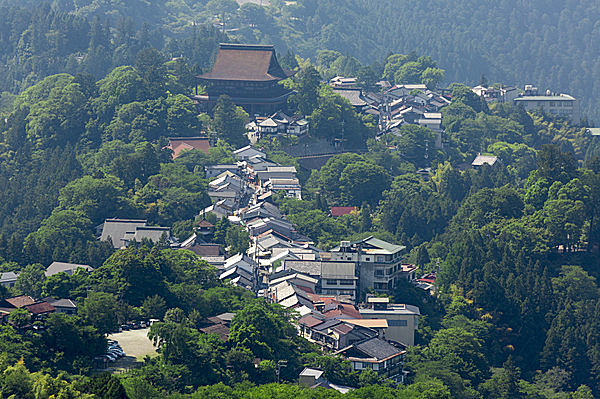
(40, 307)
(116, 229)
(206, 249)
(62, 303)
(226, 317)
(221, 330)
(245, 62)
(309, 321)
(20, 301)
(312, 268)
(378, 349)
(69, 268)
(205, 223)
(153, 233)
(180, 144)
(340, 309)
(342, 210)
(343, 328)
(8, 276)
(352, 95)
(327, 324)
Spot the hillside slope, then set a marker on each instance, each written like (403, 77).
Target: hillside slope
(553, 44)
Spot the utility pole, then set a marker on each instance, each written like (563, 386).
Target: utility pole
(280, 364)
(357, 273)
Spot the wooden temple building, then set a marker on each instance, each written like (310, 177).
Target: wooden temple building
(249, 74)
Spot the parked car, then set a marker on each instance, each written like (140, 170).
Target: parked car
(125, 327)
(116, 353)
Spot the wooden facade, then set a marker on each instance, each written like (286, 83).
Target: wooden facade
(250, 75)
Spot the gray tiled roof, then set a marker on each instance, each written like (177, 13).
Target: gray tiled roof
(377, 348)
(153, 233)
(69, 268)
(352, 95)
(8, 276)
(312, 268)
(327, 324)
(116, 229)
(62, 303)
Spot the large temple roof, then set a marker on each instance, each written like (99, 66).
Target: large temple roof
(248, 62)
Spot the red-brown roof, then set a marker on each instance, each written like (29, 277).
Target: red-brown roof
(343, 328)
(220, 330)
(20, 301)
(40, 307)
(181, 144)
(205, 223)
(246, 62)
(345, 310)
(309, 321)
(308, 290)
(342, 210)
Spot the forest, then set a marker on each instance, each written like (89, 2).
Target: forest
(553, 45)
(87, 105)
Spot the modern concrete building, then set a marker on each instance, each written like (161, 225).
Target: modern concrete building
(378, 262)
(335, 278)
(562, 104)
(355, 268)
(402, 320)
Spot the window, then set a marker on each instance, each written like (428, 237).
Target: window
(379, 272)
(331, 282)
(346, 282)
(380, 259)
(397, 323)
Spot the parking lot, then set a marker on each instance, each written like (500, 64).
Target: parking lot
(135, 344)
